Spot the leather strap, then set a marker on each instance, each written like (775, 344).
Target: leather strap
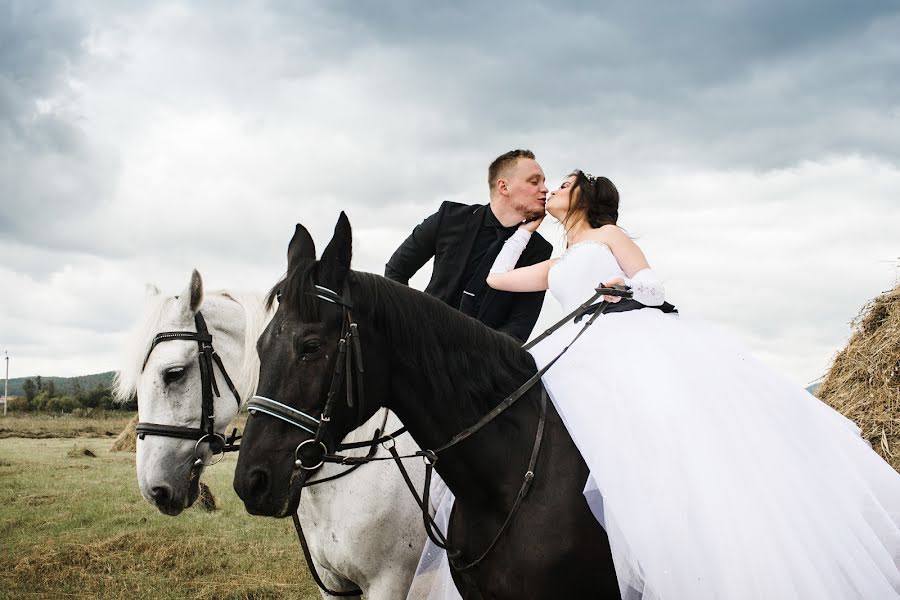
(284, 412)
(312, 566)
(433, 530)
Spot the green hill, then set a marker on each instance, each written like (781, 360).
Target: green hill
(64, 385)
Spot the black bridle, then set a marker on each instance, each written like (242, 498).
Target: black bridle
(206, 357)
(348, 348)
(349, 359)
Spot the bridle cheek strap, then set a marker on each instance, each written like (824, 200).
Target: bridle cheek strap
(207, 358)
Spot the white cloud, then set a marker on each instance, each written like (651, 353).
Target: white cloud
(758, 171)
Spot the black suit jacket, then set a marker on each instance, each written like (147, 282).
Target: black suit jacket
(448, 235)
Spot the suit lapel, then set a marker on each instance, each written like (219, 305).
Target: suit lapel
(466, 240)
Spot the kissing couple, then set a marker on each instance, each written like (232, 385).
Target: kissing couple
(712, 474)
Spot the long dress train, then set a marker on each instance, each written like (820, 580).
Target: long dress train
(719, 478)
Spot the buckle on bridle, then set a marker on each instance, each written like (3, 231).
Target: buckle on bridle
(298, 460)
(216, 437)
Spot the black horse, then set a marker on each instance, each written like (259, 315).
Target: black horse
(440, 371)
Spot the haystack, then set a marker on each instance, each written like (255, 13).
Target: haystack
(206, 500)
(863, 383)
(127, 440)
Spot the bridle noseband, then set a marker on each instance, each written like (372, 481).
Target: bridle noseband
(206, 357)
(349, 359)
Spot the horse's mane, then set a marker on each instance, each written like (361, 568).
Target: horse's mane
(466, 362)
(138, 342)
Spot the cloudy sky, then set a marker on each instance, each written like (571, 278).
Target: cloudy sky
(755, 146)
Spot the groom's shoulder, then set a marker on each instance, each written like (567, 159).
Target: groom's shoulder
(455, 212)
(458, 209)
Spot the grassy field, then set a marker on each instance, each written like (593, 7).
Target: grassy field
(33, 425)
(75, 526)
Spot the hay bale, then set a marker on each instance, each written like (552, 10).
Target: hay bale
(863, 383)
(127, 440)
(80, 452)
(206, 501)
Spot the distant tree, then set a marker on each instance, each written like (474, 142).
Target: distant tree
(40, 384)
(100, 396)
(40, 400)
(61, 404)
(30, 389)
(77, 390)
(51, 389)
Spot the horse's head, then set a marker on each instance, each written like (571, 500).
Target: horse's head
(300, 368)
(166, 377)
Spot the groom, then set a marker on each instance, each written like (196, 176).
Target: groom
(464, 240)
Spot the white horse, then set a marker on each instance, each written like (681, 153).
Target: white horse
(363, 530)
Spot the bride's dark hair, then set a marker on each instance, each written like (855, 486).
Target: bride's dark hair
(594, 199)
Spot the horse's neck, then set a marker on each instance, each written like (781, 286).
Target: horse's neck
(240, 356)
(428, 363)
(483, 469)
(382, 422)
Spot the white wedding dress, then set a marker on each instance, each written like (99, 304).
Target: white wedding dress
(714, 477)
(719, 478)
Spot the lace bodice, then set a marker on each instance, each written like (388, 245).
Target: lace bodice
(580, 269)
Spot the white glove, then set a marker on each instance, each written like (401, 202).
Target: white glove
(511, 251)
(646, 288)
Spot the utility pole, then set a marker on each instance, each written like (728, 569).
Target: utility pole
(6, 385)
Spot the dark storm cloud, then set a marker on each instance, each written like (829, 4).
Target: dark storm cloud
(51, 171)
(740, 84)
(736, 85)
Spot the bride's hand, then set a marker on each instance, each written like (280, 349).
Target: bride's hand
(610, 283)
(531, 226)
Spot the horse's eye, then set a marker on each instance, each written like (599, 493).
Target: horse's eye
(309, 348)
(173, 374)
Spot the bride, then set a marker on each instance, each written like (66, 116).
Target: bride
(713, 475)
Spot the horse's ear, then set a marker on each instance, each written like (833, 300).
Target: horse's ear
(335, 261)
(192, 297)
(301, 247)
(151, 291)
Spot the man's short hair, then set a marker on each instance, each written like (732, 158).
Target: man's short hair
(503, 163)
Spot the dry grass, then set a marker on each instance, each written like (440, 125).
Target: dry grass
(74, 526)
(127, 439)
(146, 564)
(45, 426)
(79, 451)
(864, 380)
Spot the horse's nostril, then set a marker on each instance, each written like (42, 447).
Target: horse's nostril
(161, 494)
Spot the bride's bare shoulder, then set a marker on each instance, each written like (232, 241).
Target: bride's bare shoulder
(610, 235)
